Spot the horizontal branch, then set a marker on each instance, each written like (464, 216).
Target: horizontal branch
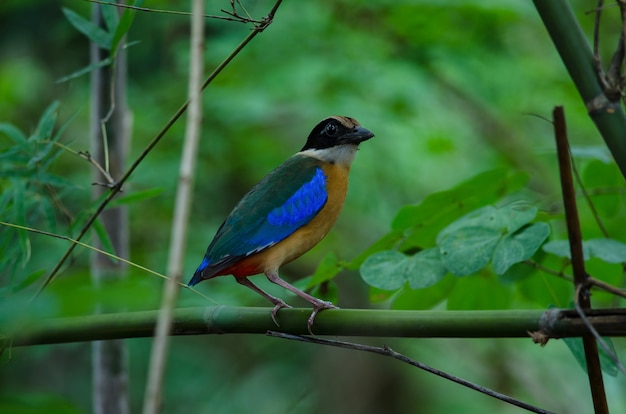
(554, 323)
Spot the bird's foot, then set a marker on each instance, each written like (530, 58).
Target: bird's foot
(278, 305)
(318, 306)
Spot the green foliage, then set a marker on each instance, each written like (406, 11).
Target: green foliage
(505, 237)
(611, 251)
(30, 189)
(108, 38)
(609, 366)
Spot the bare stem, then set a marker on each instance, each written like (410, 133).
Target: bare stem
(386, 351)
(590, 345)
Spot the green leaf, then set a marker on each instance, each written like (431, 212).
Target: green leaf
(600, 153)
(326, 270)
(519, 246)
(28, 280)
(609, 250)
(104, 238)
(575, 345)
(94, 33)
(14, 133)
(424, 268)
(384, 270)
(468, 250)
(110, 16)
(47, 121)
(509, 218)
(426, 298)
(135, 197)
(19, 217)
(128, 15)
(390, 270)
(87, 69)
(516, 273)
(426, 219)
(561, 248)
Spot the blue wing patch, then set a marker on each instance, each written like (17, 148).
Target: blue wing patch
(301, 207)
(298, 210)
(282, 202)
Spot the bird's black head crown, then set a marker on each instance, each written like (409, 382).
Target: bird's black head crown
(334, 131)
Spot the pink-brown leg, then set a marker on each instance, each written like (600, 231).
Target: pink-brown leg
(278, 303)
(318, 304)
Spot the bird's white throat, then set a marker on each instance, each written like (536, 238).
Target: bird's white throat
(340, 154)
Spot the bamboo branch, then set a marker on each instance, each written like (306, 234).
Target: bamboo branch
(554, 323)
(158, 357)
(576, 54)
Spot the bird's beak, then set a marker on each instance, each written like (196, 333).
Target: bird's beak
(356, 136)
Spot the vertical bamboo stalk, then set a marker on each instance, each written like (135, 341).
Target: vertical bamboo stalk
(575, 52)
(108, 100)
(158, 360)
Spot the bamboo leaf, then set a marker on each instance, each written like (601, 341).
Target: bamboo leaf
(46, 122)
(110, 16)
(92, 31)
(14, 133)
(28, 280)
(103, 237)
(87, 69)
(128, 15)
(19, 217)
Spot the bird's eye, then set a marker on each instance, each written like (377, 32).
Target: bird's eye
(331, 130)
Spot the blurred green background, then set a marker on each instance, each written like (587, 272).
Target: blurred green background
(450, 89)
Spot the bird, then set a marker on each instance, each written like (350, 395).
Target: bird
(287, 213)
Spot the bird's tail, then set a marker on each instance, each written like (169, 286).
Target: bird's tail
(197, 276)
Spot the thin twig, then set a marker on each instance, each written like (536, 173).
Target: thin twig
(595, 333)
(116, 188)
(86, 155)
(386, 351)
(174, 12)
(594, 370)
(592, 281)
(592, 207)
(104, 252)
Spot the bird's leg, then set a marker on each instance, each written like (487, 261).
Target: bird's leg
(278, 303)
(318, 304)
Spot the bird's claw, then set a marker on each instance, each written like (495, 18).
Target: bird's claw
(318, 307)
(278, 305)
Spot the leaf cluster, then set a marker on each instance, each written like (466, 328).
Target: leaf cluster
(31, 192)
